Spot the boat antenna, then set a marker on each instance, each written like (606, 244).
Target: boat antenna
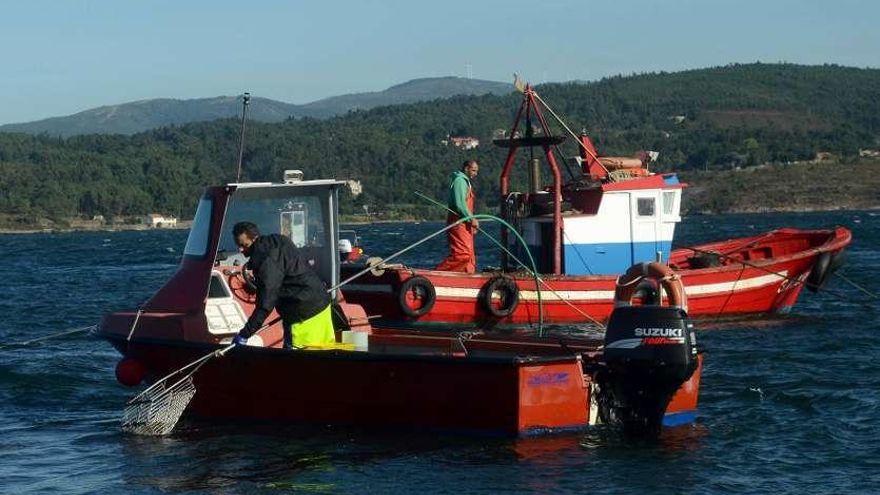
(245, 99)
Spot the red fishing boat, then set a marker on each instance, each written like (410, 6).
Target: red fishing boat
(645, 370)
(581, 234)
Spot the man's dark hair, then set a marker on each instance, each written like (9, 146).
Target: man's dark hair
(245, 227)
(467, 163)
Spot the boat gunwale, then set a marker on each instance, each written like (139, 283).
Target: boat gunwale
(460, 358)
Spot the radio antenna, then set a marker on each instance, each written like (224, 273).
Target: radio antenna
(245, 99)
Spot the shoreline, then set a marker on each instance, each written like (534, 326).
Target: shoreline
(67, 230)
(186, 225)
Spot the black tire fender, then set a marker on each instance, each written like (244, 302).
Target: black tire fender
(819, 272)
(421, 289)
(838, 259)
(509, 296)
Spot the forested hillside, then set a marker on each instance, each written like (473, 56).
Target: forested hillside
(715, 119)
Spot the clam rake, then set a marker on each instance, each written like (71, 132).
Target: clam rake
(156, 410)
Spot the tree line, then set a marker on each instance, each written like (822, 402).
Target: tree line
(701, 120)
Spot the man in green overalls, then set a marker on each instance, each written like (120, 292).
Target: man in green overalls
(460, 204)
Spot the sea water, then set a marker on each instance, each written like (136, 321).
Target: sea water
(789, 404)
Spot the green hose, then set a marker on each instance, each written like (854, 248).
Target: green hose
(534, 269)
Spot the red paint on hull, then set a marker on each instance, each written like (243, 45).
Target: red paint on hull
(510, 387)
(760, 274)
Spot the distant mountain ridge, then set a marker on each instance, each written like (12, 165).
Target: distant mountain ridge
(139, 116)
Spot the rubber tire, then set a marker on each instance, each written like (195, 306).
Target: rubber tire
(838, 259)
(500, 283)
(819, 272)
(415, 283)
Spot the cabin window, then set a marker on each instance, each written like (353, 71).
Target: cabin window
(304, 213)
(668, 202)
(197, 242)
(216, 289)
(646, 207)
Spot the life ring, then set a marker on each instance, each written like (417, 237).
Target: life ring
(509, 296)
(629, 283)
(416, 288)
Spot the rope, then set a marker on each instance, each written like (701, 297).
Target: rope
(637, 279)
(577, 251)
(739, 277)
(402, 251)
(134, 324)
(198, 363)
(857, 286)
(534, 273)
(51, 336)
(562, 123)
(840, 296)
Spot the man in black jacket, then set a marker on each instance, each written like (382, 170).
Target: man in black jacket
(287, 283)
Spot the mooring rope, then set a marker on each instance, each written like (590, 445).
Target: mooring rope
(134, 324)
(51, 336)
(857, 286)
(444, 229)
(834, 293)
(395, 255)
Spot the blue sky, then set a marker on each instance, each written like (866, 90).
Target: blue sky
(61, 57)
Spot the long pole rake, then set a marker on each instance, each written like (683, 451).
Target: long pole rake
(156, 410)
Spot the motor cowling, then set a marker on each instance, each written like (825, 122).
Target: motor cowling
(651, 336)
(650, 351)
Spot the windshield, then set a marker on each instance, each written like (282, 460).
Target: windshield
(305, 214)
(197, 241)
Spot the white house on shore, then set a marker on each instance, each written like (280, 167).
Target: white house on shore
(156, 220)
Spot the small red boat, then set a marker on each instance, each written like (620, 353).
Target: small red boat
(758, 274)
(644, 372)
(583, 233)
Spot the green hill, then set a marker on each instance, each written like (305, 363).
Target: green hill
(710, 120)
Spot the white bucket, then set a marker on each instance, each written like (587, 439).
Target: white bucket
(359, 339)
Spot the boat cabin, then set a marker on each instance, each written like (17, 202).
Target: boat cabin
(211, 276)
(610, 214)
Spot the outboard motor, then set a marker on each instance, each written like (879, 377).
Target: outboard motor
(650, 351)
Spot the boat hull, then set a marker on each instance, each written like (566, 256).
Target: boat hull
(761, 274)
(403, 382)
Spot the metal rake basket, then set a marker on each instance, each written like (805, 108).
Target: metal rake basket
(156, 410)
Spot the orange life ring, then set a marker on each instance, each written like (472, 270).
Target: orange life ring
(662, 274)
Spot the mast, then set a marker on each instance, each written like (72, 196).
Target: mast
(245, 99)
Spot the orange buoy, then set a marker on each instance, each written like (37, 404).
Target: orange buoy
(130, 372)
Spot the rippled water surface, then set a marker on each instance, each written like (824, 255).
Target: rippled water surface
(789, 404)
